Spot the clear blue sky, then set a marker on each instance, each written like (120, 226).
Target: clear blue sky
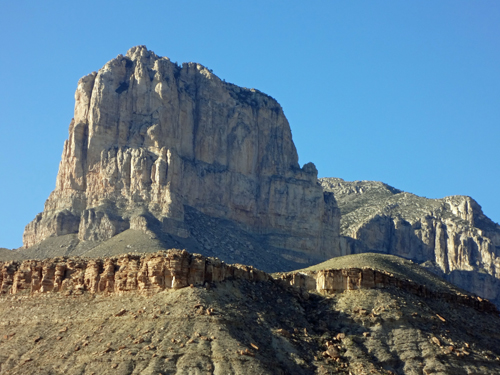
(405, 92)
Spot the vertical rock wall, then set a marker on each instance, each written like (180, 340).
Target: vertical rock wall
(141, 274)
(150, 137)
(175, 269)
(451, 235)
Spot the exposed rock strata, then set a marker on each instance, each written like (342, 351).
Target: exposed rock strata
(243, 327)
(336, 281)
(143, 274)
(451, 236)
(174, 269)
(150, 138)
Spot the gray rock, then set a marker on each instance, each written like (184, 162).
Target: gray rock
(450, 236)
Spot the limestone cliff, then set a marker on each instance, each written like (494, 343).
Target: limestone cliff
(151, 139)
(141, 274)
(147, 274)
(451, 235)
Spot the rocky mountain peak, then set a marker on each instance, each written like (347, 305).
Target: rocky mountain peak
(150, 138)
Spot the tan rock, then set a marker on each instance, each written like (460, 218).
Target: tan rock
(332, 352)
(150, 137)
(174, 269)
(435, 340)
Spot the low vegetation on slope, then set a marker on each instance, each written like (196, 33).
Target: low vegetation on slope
(242, 327)
(401, 268)
(358, 201)
(210, 237)
(450, 236)
(6, 254)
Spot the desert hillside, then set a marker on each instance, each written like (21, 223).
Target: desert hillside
(184, 237)
(240, 326)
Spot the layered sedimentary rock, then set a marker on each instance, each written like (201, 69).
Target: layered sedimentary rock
(175, 269)
(338, 280)
(451, 235)
(141, 274)
(150, 138)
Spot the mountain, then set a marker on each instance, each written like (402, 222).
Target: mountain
(450, 236)
(173, 312)
(191, 160)
(165, 156)
(162, 156)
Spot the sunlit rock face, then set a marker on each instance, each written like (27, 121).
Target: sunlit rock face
(175, 269)
(451, 236)
(141, 274)
(150, 138)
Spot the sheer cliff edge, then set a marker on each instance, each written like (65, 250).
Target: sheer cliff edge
(151, 140)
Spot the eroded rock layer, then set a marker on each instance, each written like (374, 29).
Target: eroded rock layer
(175, 269)
(336, 281)
(451, 236)
(150, 137)
(243, 327)
(142, 274)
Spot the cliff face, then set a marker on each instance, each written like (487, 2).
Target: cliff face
(174, 269)
(451, 235)
(141, 274)
(150, 138)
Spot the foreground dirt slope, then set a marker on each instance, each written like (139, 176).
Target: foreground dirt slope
(243, 327)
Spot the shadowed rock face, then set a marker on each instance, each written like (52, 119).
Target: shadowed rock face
(150, 138)
(451, 236)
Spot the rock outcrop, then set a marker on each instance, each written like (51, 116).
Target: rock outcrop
(148, 274)
(243, 327)
(141, 274)
(451, 236)
(150, 138)
(339, 280)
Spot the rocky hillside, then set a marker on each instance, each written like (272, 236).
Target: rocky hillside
(163, 156)
(450, 236)
(245, 323)
(154, 146)
(174, 269)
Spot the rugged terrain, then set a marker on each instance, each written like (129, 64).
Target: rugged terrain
(162, 156)
(159, 147)
(247, 326)
(450, 236)
(166, 156)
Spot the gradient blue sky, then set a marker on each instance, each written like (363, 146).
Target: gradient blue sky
(405, 92)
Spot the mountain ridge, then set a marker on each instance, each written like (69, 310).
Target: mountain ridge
(450, 236)
(155, 146)
(190, 161)
(166, 156)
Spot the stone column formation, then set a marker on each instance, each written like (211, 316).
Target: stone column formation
(141, 274)
(149, 137)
